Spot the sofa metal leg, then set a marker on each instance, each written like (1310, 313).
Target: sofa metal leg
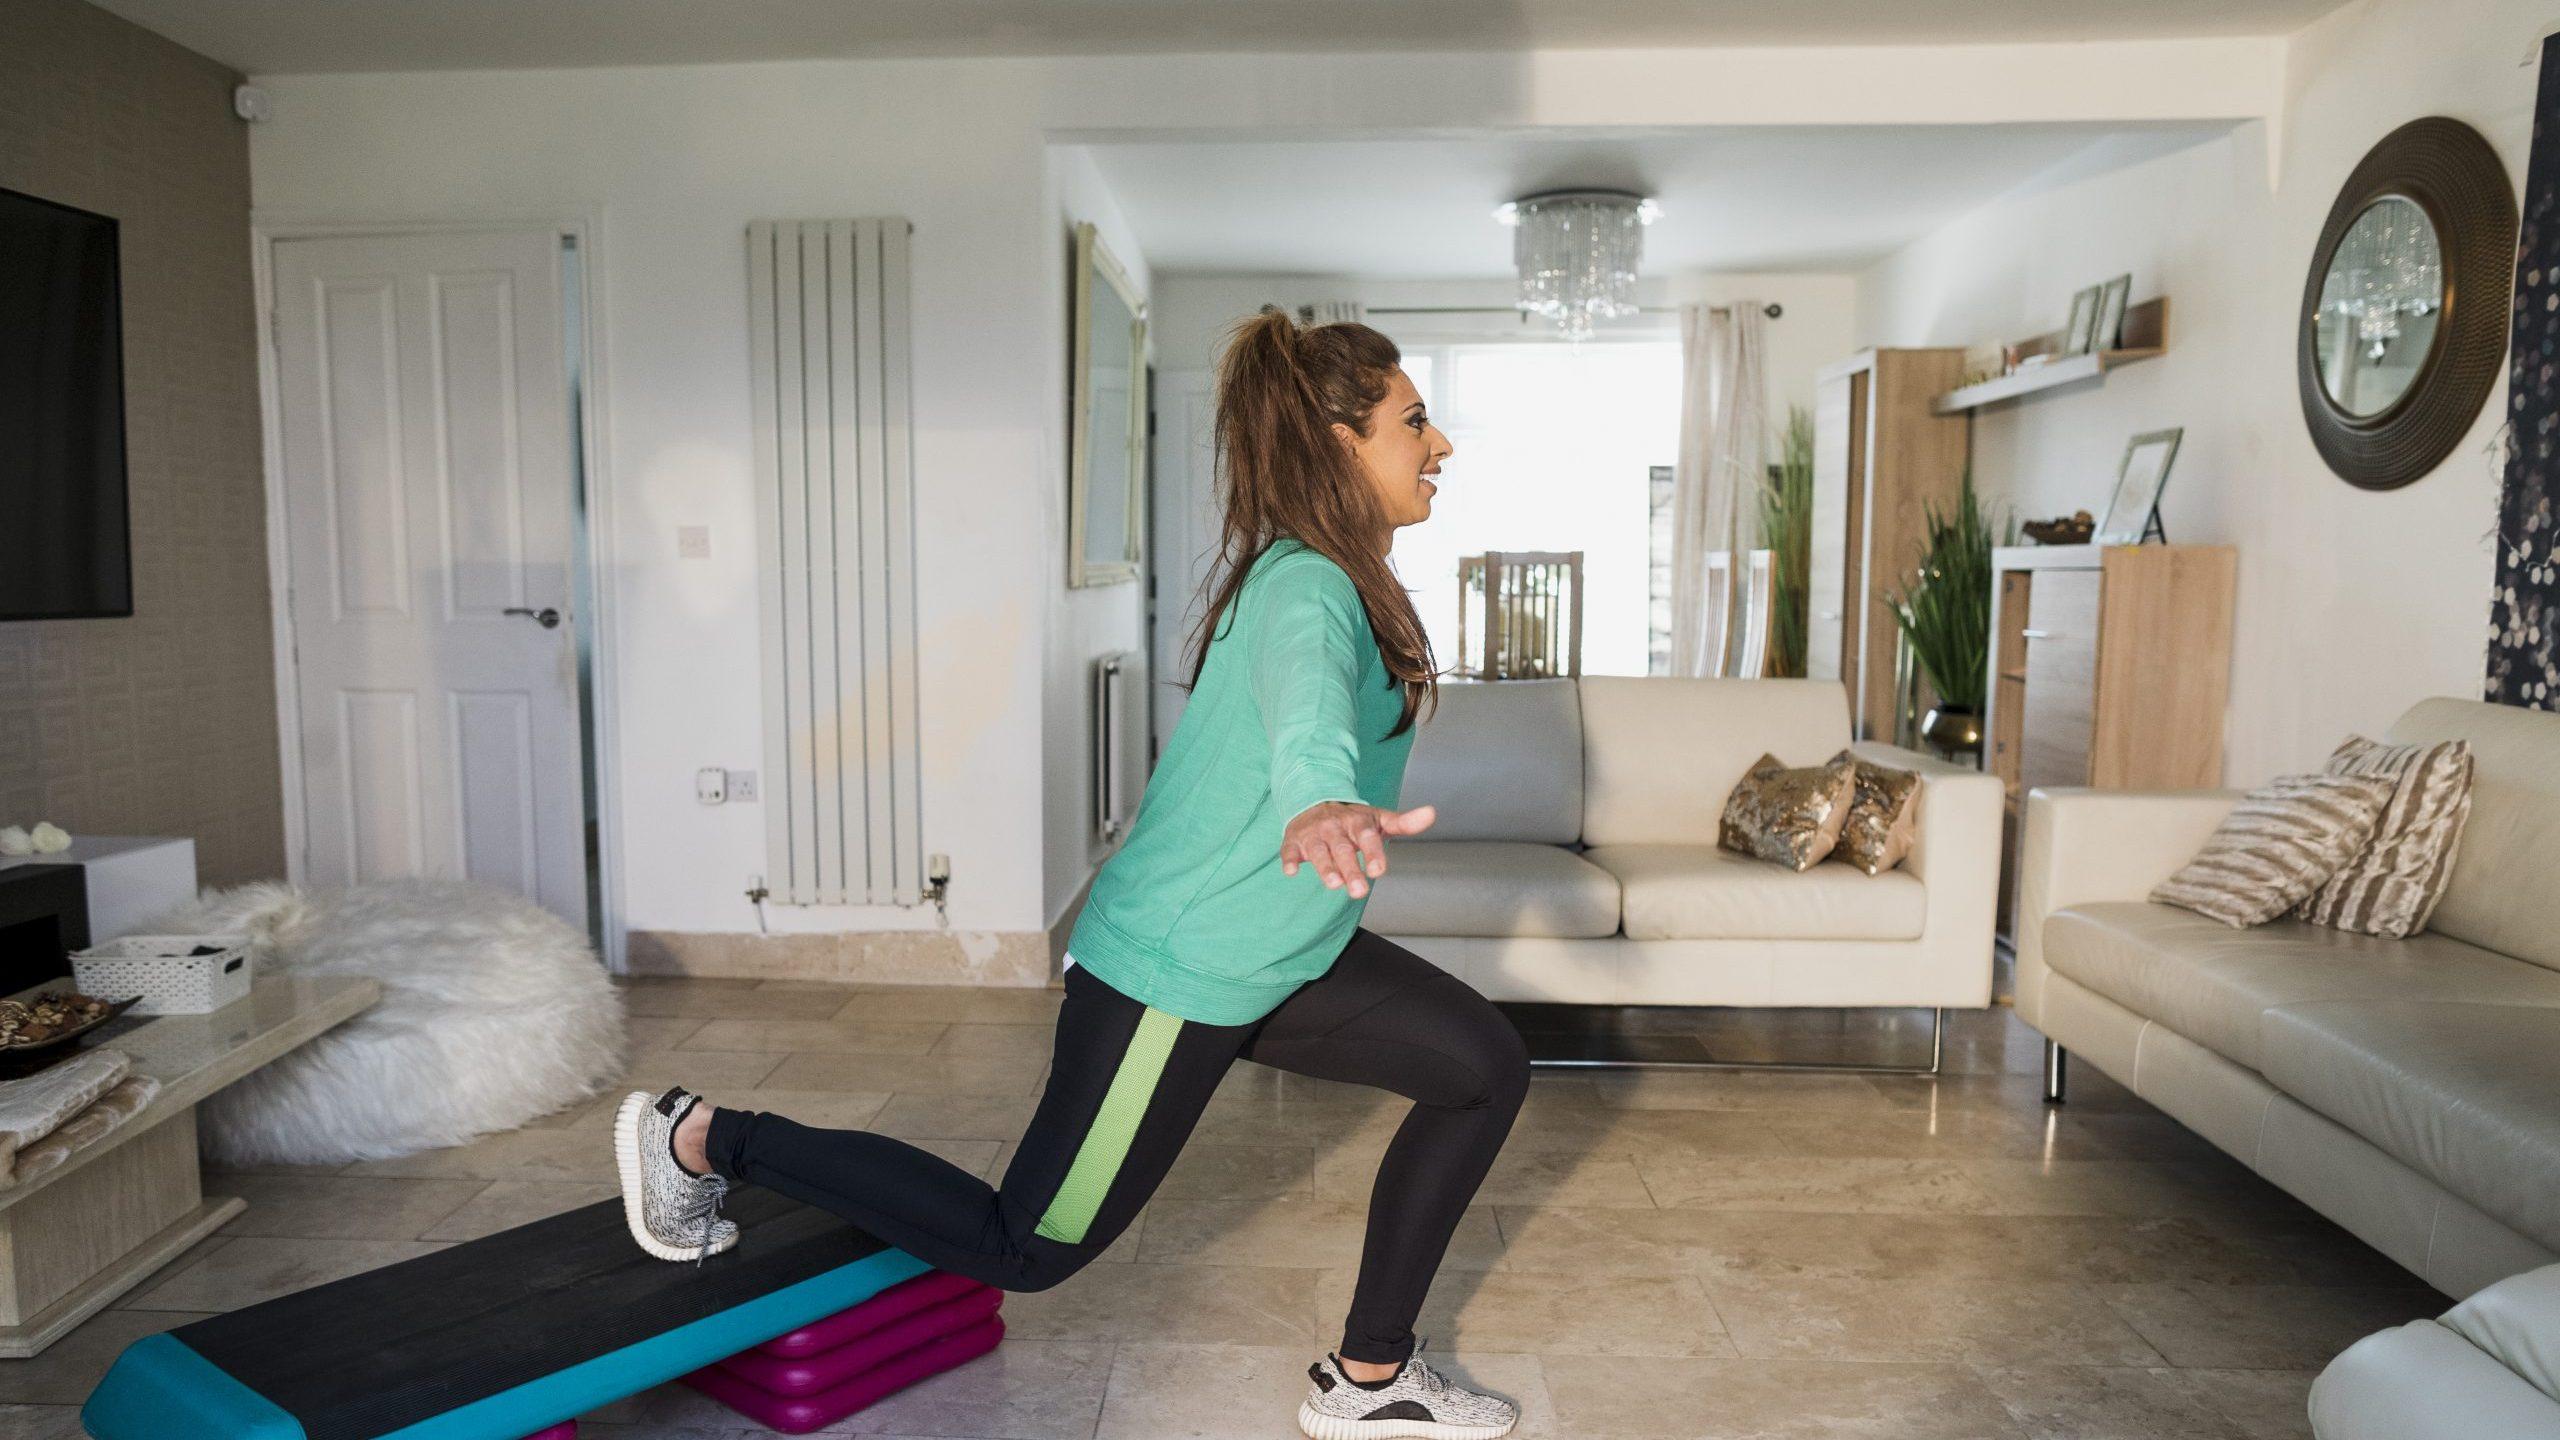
(2056, 1066)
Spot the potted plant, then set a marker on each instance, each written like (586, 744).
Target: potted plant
(1946, 613)
(1786, 527)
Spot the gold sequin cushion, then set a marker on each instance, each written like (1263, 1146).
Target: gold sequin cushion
(1884, 815)
(1789, 817)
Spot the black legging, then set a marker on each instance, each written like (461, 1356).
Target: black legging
(1125, 1088)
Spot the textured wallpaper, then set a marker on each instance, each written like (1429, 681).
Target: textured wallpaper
(165, 723)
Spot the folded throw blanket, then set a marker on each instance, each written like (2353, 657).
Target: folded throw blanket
(32, 1108)
(84, 1129)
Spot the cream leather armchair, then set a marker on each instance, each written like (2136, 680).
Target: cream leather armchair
(2489, 1367)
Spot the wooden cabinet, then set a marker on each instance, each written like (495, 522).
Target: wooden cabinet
(2059, 670)
(2110, 666)
(1881, 459)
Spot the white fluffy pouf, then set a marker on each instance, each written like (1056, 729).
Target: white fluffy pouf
(494, 1012)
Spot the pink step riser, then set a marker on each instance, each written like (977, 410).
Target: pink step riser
(798, 1415)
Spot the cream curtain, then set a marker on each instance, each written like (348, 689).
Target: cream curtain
(1715, 490)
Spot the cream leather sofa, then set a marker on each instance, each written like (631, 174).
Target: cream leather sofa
(1574, 859)
(2490, 1367)
(2407, 1089)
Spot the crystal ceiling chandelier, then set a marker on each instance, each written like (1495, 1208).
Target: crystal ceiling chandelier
(1577, 252)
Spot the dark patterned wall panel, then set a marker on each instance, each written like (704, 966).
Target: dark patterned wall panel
(165, 723)
(2524, 610)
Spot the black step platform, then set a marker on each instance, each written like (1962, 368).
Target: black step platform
(492, 1339)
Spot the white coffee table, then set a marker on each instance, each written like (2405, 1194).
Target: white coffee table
(78, 1236)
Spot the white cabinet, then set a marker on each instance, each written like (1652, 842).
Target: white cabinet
(132, 879)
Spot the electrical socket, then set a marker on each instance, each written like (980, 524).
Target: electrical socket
(742, 787)
(711, 785)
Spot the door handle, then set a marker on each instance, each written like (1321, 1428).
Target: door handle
(546, 617)
(2037, 635)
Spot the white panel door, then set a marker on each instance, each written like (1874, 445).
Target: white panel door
(428, 495)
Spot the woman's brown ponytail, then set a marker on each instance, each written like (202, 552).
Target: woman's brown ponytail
(1283, 472)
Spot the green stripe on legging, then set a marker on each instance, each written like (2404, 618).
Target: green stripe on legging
(1106, 1144)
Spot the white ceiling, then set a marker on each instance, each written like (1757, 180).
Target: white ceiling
(1799, 199)
(305, 36)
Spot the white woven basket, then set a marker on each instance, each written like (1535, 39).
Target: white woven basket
(159, 969)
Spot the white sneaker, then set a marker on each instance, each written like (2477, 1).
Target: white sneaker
(673, 1213)
(1420, 1401)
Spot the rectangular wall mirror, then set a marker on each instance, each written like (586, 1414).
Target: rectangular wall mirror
(1108, 446)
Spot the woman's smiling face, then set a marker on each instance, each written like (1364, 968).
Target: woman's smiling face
(1401, 452)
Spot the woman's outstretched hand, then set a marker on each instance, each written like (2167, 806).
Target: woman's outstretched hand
(1336, 836)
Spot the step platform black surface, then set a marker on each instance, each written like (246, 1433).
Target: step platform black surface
(495, 1338)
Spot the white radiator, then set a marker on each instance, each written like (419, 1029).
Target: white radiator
(827, 316)
(1120, 741)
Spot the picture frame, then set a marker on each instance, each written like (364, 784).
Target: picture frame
(2109, 334)
(2133, 507)
(2083, 325)
(1988, 361)
(1107, 428)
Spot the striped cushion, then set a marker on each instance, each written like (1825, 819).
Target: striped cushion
(2392, 885)
(2277, 846)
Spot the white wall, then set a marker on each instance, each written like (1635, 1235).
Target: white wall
(2352, 604)
(1098, 619)
(672, 163)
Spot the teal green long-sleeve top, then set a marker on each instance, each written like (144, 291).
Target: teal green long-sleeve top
(1193, 915)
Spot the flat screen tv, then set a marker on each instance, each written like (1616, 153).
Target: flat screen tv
(65, 551)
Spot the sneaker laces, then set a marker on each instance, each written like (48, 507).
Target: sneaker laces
(702, 1209)
(1432, 1380)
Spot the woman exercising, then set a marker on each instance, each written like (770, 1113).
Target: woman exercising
(1226, 926)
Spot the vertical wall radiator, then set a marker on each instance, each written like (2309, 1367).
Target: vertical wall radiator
(827, 319)
(1120, 736)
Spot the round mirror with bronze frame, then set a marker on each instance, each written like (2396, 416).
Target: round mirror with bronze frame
(2403, 323)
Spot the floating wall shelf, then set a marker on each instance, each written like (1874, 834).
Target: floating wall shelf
(2146, 331)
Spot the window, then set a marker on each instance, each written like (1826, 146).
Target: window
(1555, 445)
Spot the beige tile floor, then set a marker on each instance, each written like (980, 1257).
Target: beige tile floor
(1656, 1254)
